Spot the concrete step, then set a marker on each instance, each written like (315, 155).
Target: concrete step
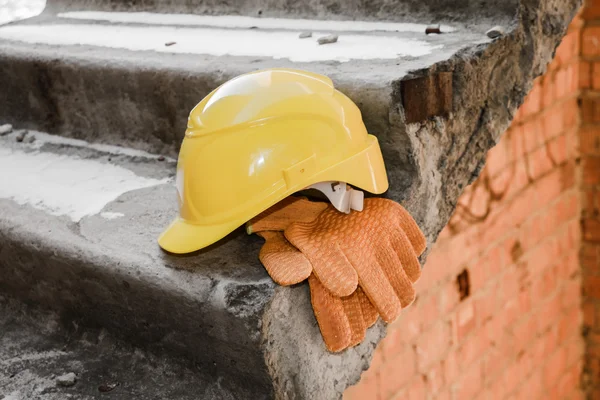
(131, 79)
(78, 227)
(36, 349)
(378, 10)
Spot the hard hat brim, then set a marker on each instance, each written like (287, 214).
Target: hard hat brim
(182, 237)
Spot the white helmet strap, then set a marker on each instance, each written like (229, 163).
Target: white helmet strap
(342, 196)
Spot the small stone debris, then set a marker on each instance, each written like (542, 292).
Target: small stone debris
(161, 158)
(305, 35)
(433, 29)
(108, 387)
(327, 39)
(21, 135)
(29, 139)
(495, 32)
(170, 44)
(5, 129)
(66, 380)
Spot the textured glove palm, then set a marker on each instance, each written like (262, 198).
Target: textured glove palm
(358, 265)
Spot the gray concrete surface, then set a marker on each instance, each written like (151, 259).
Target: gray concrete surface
(220, 303)
(391, 10)
(37, 349)
(218, 307)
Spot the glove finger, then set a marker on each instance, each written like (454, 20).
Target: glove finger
(368, 311)
(331, 316)
(353, 310)
(284, 263)
(375, 285)
(413, 232)
(329, 263)
(393, 269)
(281, 215)
(405, 253)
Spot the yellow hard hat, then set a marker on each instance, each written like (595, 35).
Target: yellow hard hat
(257, 139)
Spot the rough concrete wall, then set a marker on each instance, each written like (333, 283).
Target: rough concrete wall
(498, 310)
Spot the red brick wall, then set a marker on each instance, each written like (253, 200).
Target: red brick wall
(589, 183)
(514, 279)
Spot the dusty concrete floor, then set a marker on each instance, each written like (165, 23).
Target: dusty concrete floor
(35, 349)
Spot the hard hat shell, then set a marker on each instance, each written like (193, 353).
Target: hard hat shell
(257, 139)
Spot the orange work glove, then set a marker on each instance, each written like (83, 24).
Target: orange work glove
(342, 323)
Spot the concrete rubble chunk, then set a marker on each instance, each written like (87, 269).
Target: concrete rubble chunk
(437, 104)
(327, 39)
(66, 380)
(305, 35)
(495, 32)
(5, 129)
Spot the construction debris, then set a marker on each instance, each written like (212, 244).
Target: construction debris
(328, 39)
(433, 29)
(21, 135)
(305, 35)
(5, 129)
(495, 32)
(66, 380)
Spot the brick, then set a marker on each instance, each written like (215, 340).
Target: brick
(571, 115)
(448, 296)
(539, 163)
(590, 10)
(590, 110)
(589, 137)
(519, 179)
(557, 150)
(569, 324)
(401, 333)
(366, 389)
(569, 381)
(596, 75)
(570, 294)
(471, 382)
(552, 185)
(472, 350)
(431, 345)
(534, 133)
(591, 170)
(554, 367)
(451, 367)
(512, 377)
(434, 379)
(533, 101)
(547, 313)
(497, 158)
(589, 314)
(590, 255)
(494, 363)
(397, 372)
(515, 138)
(524, 333)
(591, 230)
(485, 305)
(533, 387)
(575, 349)
(585, 72)
(417, 389)
(548, 89)
(590, 45)
(591, 287)
(568, 48)
(553, 122)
